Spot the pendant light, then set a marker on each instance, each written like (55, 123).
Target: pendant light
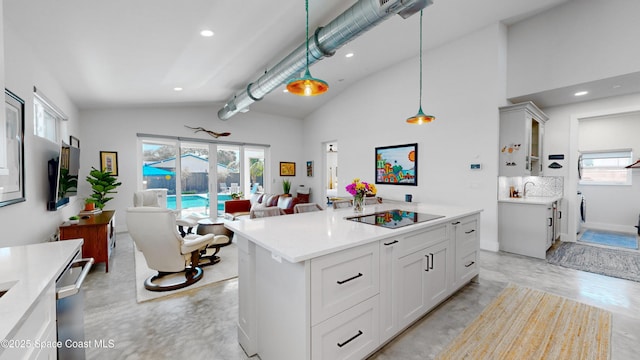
(307, 85)
(420, 117)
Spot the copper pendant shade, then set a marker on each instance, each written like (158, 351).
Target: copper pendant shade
(307, 85)
(420, 117)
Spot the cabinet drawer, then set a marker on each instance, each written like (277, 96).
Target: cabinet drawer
(467, 266)
(351, 335)
(341, 280)
(419, 240)
(468, 233)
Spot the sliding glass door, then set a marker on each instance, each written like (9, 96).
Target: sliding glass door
(206, 174)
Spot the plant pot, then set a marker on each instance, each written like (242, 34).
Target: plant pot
(89, 207)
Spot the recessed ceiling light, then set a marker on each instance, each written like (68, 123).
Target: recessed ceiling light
(617, 86)
(348, 55)
(581, 93)
(206, 33)
(177, 89)
(285, 90)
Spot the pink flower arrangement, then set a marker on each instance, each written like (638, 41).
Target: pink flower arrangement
(361, 188)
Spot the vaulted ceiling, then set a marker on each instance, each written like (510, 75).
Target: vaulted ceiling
(122, 53)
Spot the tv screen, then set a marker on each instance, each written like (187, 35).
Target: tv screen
(63, 176)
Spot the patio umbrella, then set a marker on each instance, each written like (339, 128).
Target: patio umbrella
(153, 171)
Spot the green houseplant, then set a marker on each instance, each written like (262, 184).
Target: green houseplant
(103, 184)
(286, 186)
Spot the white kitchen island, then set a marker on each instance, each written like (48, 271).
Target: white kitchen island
(317, 286)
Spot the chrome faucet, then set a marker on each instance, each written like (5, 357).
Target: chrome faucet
(524, 188)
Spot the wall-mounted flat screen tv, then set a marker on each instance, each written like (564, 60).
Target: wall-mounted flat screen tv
(63, 176)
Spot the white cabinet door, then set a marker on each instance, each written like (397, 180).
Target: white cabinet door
(437, 274)
(423, 280)
(409, 294)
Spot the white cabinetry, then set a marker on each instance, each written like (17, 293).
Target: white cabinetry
(348, 303)
(466, 232)
(526, 229)
(34, 337)
(521, 140)
(423, 276)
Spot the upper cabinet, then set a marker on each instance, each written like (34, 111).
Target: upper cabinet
(521, 134)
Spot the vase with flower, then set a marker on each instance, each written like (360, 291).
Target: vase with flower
(359, 189)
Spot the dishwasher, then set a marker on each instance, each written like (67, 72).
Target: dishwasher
(70, 308)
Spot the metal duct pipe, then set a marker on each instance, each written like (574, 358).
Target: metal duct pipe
(356, 20)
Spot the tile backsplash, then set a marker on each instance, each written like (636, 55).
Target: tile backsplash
(541, 185)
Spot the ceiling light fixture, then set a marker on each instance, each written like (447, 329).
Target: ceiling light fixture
(177, 89)
(581, 93)
(206, 33)
(420, 117)
(348, 55)
(307, 85)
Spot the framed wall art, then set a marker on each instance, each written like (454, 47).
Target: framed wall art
(397, 165)
(12, 151)
(287, 168)
(109, 162)
(309, 168)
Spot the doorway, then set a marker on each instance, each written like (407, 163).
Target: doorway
(611, 206)
(330, 170)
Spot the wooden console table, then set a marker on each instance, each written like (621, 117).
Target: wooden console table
(98, 232)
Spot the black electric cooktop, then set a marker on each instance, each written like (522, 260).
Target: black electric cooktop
(394, 219)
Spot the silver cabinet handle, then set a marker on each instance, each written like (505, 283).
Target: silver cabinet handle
(73, 289)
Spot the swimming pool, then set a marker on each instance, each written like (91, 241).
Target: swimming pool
(196, 201)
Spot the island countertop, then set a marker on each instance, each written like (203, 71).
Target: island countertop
(300, 237)
(26, 271)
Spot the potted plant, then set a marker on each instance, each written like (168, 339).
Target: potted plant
(237, 195)
(89, 205)
(286, 186)
(74, 219)
(103, 184)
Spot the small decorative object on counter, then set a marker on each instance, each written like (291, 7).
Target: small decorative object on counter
(360, 189)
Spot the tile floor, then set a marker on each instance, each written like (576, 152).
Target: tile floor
(200, 323)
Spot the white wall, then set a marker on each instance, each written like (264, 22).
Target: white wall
(561, 137)
(30, 222)
(116, 129)
(463, 87)
(612, 207)
(580, 41)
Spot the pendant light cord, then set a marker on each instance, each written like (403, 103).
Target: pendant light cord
(420, 59)
(306, 9)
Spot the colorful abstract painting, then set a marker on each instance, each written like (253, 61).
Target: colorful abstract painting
(397, 165)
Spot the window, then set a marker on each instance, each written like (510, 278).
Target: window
(605, 167)
(47, 118)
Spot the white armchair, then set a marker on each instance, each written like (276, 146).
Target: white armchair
(154, 232)
(158, 198)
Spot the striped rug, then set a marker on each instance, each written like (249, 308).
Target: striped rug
(523, 323)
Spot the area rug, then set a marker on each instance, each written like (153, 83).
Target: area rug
(622, 264)
(226, 269)
(523, 323)
(609, 238)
